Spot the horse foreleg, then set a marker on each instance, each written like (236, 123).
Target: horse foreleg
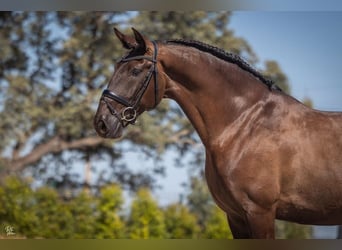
(261, 222)
(239, 227)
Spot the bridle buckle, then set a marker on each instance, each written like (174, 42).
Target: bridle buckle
(129, 114)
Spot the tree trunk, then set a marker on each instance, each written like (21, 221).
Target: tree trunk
(87, 175)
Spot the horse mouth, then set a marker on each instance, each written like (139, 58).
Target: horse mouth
(104, 129)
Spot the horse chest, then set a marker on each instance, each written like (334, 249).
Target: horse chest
(221, 189)
(237, 176)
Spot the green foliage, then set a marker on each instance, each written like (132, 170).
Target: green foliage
(208, 27)
(17, 207)
(82, 208)
(210, 218)
(199, 200)
(54, 218)
(43, 213)
(274, 72)
(287, 230)
(146, 220)
(216, 226)
(308, 102)
(180, 223)
(109, 225)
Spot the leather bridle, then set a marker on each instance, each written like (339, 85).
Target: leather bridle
(128, 115)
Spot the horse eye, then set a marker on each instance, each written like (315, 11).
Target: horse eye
(136, 72)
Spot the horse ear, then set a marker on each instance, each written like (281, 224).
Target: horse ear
(126, 41)
(140, 40)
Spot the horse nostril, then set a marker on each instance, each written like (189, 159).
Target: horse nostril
(101, 126)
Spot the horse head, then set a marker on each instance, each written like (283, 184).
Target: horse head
(134, 87)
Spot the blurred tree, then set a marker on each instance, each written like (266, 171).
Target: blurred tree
(273, 71)
(199, 200)
(308, 102)
(82, 208)
(180, 223)
(43, 213)
(146, 221)
(216, 226)
(17, 207)
(109, 225)
(41, 114)
(51, 74)
(54, 219)
(211, 219)
(287, 230)
(208, 27)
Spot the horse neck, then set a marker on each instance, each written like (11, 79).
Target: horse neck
(211, 92)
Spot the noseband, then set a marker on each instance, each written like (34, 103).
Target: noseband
(129, 114)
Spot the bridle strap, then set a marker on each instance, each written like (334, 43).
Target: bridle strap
(155, 73)
(115, 97)
(138, 58)
(128, 115)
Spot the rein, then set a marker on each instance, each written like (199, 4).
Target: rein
(129, 114)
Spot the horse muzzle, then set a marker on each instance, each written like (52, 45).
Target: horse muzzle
(108, 127)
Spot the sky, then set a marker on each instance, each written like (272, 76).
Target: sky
(307, 45)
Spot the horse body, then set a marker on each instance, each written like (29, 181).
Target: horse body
(276, 168)
(267, 155)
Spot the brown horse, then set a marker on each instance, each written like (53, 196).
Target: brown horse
(267, 155)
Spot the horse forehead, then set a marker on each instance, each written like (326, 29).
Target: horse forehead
(122, 83)
(121, 71)
(117, 81)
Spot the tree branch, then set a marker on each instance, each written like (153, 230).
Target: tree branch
(181, 136)
(55, 145)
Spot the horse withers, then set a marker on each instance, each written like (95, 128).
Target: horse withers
(268, 156)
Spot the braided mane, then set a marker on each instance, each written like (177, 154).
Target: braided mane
(226, 56)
